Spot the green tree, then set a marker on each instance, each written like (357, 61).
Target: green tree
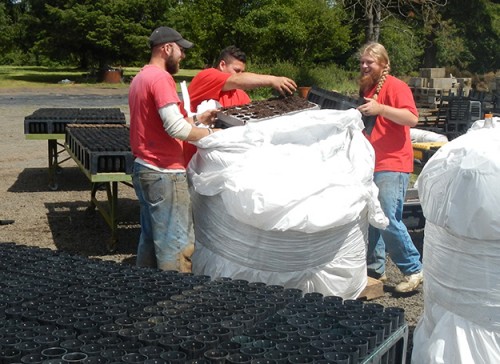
(92, 33)
(371, 14)
(476, 24)
(403, 44)
(5, 30)
(300, 31)
(95, 33)
(210, 24)
(451, 47)
(303, 32)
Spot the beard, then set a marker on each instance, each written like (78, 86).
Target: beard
(172, 65)
(367, 82)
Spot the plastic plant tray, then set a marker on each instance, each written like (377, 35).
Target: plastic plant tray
(263, 110)
(101, 148)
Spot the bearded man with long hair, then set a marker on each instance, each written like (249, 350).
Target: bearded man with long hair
(390, 105)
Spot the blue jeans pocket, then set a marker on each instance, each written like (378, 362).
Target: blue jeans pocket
(153, 187)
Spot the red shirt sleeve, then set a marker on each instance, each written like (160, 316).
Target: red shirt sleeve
(206, 85)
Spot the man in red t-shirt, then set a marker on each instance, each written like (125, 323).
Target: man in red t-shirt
(157, 134)
(226, 82)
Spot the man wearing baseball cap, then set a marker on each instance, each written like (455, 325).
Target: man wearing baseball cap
(157, 134)
(168, 35)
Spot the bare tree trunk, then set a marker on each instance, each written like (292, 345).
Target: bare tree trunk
(430, 51)
(377, 21)
(376, 10)
(369, 21)
(373, 15)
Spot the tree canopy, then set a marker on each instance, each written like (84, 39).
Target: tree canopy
(97, 33)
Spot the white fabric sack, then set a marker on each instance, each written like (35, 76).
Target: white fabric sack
(460, 198)
(479, 124)
(332, 262)
(423, 136)
(458, 186)
(461, 319)
(286, 201)
(309, 171)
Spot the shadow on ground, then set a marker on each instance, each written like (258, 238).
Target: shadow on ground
(77, 229)
(37, 180)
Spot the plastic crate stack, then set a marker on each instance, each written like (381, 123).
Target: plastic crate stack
(461, 114)
(54, 120)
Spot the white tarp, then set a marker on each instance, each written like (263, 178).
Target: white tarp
(458, 186)
(460, 198)
(422, 136)
(286, 201)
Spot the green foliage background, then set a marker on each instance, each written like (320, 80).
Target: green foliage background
(312, 40)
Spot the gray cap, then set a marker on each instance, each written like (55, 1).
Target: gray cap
(163, 35)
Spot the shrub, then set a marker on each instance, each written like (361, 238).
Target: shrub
(330, 77)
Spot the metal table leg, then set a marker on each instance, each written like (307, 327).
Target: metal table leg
(107, 209)
(54, 163)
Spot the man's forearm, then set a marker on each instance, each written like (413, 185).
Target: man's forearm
(248, 81)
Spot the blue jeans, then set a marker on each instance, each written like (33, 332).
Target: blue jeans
(395, 239)
(166, 219)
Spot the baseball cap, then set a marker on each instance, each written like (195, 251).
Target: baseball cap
(168, 35)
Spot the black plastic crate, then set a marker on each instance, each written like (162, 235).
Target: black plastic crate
(101, 148)
(332, 100)
(54, 120)
(392, 351)
(461, 114)
(413, 215)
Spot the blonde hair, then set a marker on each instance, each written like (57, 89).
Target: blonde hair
(379, 53)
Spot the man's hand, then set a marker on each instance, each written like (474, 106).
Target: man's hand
(370, 107)
(284, 85)
(208, 117)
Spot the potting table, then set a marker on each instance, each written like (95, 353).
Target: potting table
(104, 168)
(109, 207)
(50, 124)
(55, 148)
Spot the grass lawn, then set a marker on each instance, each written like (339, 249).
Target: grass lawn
(12, 77)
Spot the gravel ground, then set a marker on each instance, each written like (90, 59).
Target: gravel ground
(60, 219)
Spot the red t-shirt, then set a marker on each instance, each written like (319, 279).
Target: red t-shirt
(207, 85)
(391, 141)
(151, 89)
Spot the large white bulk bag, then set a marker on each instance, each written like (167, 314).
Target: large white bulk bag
(286, 201)
(460, 198)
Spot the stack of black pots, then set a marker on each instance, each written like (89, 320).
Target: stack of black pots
(62, 308)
